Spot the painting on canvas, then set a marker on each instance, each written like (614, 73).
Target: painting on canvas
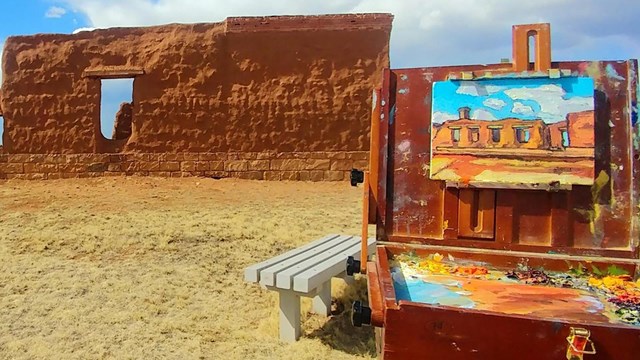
(527, 131)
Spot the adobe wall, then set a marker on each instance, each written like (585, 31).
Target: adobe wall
(289, 84)
(581, 129)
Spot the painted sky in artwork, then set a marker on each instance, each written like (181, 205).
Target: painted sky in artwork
(528, 99)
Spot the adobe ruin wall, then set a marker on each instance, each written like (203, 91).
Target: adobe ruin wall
(208, 99)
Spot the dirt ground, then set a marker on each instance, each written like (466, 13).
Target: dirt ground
(147, 268)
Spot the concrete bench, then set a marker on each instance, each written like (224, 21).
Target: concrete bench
(305, 271)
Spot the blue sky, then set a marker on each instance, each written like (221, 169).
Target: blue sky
(547, 99)
(425, 33)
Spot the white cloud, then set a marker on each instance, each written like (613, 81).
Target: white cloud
(495, 104)
(55, 12)
(482, 114)
(425, 33)
(553, 107)
(522, 109)
(78, 30)
(439, 117)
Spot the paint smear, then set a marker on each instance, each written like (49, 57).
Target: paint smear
(430, 292)
(612, 73)
(500, 296)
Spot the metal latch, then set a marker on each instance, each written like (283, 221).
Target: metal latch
(578, 339)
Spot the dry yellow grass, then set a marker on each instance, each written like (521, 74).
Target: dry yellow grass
(143, 268)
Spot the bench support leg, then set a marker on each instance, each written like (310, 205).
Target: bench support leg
(349, 280)
(322, 301)
(289, 316)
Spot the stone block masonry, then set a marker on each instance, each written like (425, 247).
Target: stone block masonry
(301, 166)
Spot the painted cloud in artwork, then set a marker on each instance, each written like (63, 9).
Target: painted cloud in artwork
(520, 108)
(493, 103)
(554, 101)
(440, 117)
(482, 114)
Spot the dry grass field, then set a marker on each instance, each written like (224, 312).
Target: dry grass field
(151, 268)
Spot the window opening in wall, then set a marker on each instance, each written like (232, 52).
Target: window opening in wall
(495, 135)
(522, 135)
(565, 138)
(1, 128)
(474, 135)
(455, 135)
(531, 38)
(116, 108)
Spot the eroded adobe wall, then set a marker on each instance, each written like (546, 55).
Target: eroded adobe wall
(305, 166)
(277, 84)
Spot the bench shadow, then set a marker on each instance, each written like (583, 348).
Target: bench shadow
(339, 333)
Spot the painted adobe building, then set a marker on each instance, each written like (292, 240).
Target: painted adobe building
(466, 133)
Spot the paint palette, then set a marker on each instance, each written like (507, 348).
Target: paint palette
(474, 285)
(514, 130)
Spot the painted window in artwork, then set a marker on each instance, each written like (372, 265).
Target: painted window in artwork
(455, 135)
(474, 135)
(522, 135)
(565, 138)
(495, 135)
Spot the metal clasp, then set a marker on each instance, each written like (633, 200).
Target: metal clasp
(578, 339)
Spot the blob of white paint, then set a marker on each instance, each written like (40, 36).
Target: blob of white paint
(405, 145)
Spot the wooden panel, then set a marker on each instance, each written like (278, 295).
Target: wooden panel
(521, 50)
(364, 236)
(113, 72)
(532, 218)
(632, 72)
(384, 182)
(561, 224)
(510, 259)
(450, 214)
(375, 295)
(476, 213)
(374, 155)
(505, 202)
(413, 329)
(584, 220)
(460, 334)
(494, 245)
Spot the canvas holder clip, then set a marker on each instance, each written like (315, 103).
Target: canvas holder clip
(578, 339)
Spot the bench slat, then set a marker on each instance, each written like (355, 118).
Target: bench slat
(317, 275)
(268, 275)
(284, 278)
(252, 273)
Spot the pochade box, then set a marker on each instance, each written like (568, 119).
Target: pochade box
(506, 205)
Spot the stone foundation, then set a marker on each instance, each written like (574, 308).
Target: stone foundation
(303, 166)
